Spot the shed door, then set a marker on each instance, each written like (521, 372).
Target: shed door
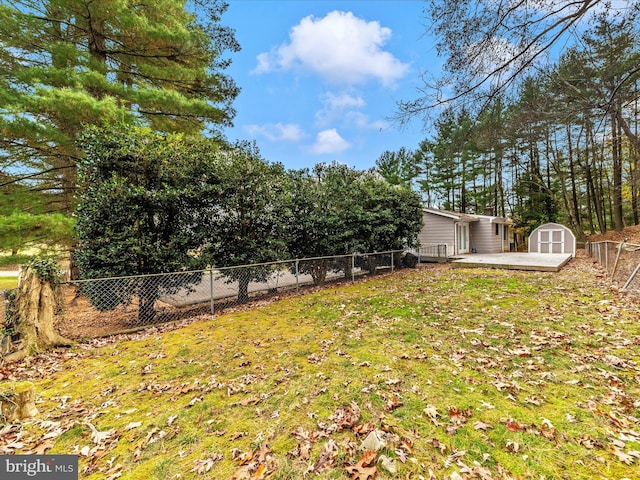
(551, 241)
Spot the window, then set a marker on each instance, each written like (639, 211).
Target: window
(497, 229)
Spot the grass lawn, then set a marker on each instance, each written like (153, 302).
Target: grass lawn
(7, 283)
(447, 374)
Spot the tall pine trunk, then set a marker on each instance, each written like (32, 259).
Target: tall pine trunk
(616, 146)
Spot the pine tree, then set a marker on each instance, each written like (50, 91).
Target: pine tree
(66, 63)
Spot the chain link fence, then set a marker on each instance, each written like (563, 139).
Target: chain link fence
(105, 306)
(621, 261)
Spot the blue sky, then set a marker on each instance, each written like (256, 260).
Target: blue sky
(320, 79)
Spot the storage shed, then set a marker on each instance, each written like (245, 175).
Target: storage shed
(552, 238)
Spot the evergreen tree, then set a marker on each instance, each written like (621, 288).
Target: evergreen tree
(145, 205)
(65, 63)
(398, 168)
(248, 224)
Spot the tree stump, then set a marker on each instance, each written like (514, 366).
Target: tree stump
(17, 401)
(33, 323)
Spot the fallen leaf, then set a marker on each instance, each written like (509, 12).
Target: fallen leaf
(458, 416)
(437, 444)
(547, 430)
(513, 447)
(365, 468)
(388, 464)
(481, 426)
(514, 427)
(393, 402)
(626, 458)
(100, 438)
(255, 465)
(451, 459)
(42, 447)
(327, 457)
(432, 413)
(132, 425)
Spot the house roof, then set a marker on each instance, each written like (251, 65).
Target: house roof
(465, 217)
(492, 219)
(453, 215)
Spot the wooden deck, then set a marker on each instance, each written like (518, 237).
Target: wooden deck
(544, 262)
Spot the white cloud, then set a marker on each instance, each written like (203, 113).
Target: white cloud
(339, 47)
(334, 107)
(329, 141)
(361, 120)
(343, 100)
(277, 132)
(344, 108)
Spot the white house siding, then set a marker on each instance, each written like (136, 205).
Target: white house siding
(437, 230)
(483, 234)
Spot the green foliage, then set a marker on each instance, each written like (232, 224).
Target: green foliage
(19, 197)
(141, 197)
(20, 231)
(398, 168)
(70, 63)
(558, 143)
(451, 164)
(248, 222)
(339, 210)
(46, 269)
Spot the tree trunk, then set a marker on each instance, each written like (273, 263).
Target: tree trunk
(318, 270)
(147, 301)
(373, 264)
(243, 289)
(33, 322)
(17, 401)
(618, 218)
(574, 189)
(594, 181)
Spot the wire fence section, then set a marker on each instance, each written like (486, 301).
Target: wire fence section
(105, 306)
(621, 261)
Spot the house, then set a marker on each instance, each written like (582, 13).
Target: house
(448, 234)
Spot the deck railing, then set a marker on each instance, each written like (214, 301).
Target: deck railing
(433, 251)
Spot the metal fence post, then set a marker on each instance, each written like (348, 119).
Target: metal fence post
(630, 279)
(615, 265)
(392, 261)
(297, 275)
(211, 289)
(353, 267)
